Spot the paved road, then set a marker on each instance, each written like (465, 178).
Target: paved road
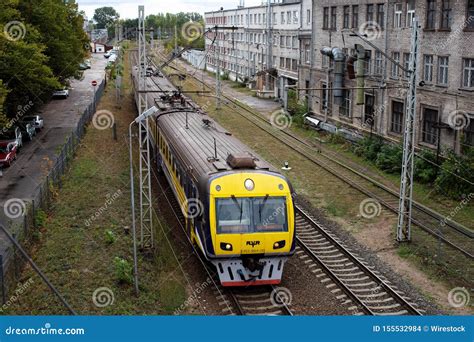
(60, 118)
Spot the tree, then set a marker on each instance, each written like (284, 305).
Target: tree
(105, 17)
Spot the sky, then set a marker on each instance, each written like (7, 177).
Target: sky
(129, 9)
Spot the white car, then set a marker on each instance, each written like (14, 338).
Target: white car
(35, 120)
(61, 93)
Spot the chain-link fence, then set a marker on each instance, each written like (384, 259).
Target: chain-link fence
(22, 216)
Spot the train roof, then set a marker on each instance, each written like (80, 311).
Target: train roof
(199, 142)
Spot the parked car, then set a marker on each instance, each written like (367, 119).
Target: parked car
(61, 93)
(12, 135)
(7, 153)
(83, 66)
(28, 131)
(108, 54)
(87, 62)
(35, 120)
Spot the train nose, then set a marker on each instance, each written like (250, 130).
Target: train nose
(252, 264)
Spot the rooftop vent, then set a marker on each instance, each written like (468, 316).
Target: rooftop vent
(241, 161)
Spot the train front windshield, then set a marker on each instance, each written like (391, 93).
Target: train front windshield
(238, 215)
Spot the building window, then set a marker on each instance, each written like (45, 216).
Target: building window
(370, 12)
(470, 14)
(345, 107)
(294, 65)
(295, 42)
(468, 73)
(446, 14)
(428, 68)
(395, 68)
(282, 62)
(430, 14)
(325, 98)
(443, 67)
(381, 15)
(369, 110)
(307, 50)
(355, 16)
(469, 133)
(397, 17)
(288, 17)
(295, 17)
(282, 18)
(325, 18)
(410, 12)
(333, 18)
(308, 17)
(288, 41)
(378, 68)
(368, 62)
(397, 117)
(430, 121)
(288, 63)
(406, 64)
(347, 12)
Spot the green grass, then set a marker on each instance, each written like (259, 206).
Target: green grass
(73, 249)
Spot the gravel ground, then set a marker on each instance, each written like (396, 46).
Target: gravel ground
(371, 259)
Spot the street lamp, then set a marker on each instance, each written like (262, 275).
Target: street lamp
(137, 120)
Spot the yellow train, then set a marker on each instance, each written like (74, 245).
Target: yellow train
(239, 210)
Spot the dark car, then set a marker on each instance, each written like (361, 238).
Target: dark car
(7, 153)
(28, 131)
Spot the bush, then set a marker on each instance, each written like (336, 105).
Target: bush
(389, 159)
(123, 270)
(40, 218)
(369, 147)
(110, 237)
(426, 168)
(448, 184)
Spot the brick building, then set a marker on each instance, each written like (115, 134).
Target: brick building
(446, 67)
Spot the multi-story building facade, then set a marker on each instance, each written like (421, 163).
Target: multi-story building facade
(243, 52)
(445, 100)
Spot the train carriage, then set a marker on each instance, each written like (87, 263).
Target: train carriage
(239, 210)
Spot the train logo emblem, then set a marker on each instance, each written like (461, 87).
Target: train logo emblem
(253, 243)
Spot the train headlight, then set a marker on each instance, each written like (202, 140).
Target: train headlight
(280, 186)
(279, 244)
(249, 184)
(226, 246)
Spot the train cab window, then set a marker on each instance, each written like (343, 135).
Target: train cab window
(248, 215)
(233, 215)
(270, 214)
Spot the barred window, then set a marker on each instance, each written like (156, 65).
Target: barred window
(430, 121)
(397, 117)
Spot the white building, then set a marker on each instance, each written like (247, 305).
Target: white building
(195, 57)
(248, 53)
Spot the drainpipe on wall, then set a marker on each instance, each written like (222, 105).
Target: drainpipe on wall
(339, 58)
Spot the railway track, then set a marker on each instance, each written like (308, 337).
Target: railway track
(371, 293)
(451, 233)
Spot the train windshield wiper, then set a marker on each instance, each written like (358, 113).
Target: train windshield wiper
(238, 206)
(260, 207)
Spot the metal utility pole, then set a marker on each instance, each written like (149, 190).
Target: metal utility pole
(152, 33)
(406, 181)
(218, 71)
(146, 212)
(269, 45)
(175, 39)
